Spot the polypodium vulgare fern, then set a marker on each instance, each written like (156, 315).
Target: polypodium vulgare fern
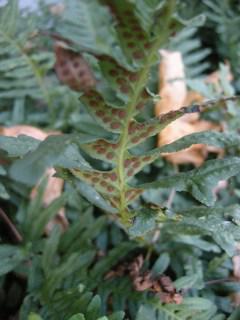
(115, 101)
(130, 86)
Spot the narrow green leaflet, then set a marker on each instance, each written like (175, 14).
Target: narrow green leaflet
(222, 231)
(201, 181)
(210, 138)
(54, 151)
(46, 215)
(50, 250)
(3, 172)
(119, 315)
(74, 263)
(189, 309)
(143, 223)
(94, 308)
(3, 192)
(94, 197)
(161, 264)
(10, 257)
(78, 316)
(17, 147)
(235, 315)
(194, 275)
(146, 312)
(34, 316)
(220, 223)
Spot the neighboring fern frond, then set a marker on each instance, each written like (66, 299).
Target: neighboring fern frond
(67, 266)
(22, 71)
(221, 225)
(225, 16)
(194, 57)
(201, 181)
(89, 27)
(189, 309)
(147, 11)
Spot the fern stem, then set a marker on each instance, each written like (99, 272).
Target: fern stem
(130, 108)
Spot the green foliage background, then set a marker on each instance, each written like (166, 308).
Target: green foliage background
(63, 276)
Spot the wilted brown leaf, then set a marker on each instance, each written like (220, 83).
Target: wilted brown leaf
(173, 95)
(118, 272)
(142, 282)
(136, 265)
(55, 185)
(145, 281)
(72, 69)
(166, 284)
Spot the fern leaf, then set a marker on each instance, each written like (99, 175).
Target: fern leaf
(200, 182)
(194, 56)
(190, 309)
(22, 72)
(89, 27)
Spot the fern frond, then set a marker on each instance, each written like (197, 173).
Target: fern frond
(89, 27)
(225, 17)
(22, 70)
(127, 133)
(194, 57)
(68, 268)
(189, 309)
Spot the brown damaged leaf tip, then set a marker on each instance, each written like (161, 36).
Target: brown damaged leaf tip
(72, 69)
